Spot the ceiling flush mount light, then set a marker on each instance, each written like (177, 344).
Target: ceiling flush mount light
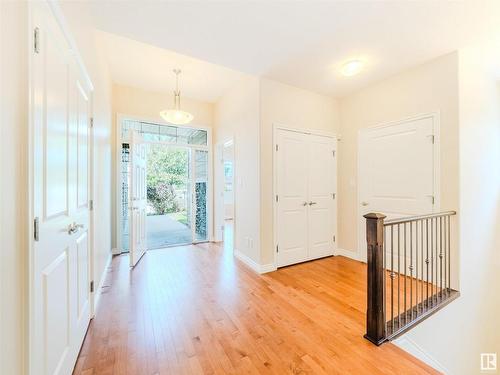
(352, 68)
(175, 115)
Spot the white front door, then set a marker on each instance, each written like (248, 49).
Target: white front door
(305, 201)
(60, 285)
(138, 198)
(396, 171)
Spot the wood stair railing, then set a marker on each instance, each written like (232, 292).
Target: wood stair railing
(409, 272)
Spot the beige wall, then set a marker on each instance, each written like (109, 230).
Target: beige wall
(237, 116)
(294, 108)
(457, 335)
(431, 87)
(148, 105)
(13, 185)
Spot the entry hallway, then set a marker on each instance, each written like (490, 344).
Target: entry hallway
(197, 310)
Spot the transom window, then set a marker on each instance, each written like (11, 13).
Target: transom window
(152, 132)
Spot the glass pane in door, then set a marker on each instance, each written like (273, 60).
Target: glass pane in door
(169, 196)
(201, 194)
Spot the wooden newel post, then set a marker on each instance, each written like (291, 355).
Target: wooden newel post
(375, 312)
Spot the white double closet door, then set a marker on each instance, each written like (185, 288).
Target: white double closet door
(306, 209)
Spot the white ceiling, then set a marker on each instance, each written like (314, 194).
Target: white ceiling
(150, 68)
(301, 43)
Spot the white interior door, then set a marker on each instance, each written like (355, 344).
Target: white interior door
(138, 198)
(305, 207)
(396, 171)
(322, 196)
(60, 286)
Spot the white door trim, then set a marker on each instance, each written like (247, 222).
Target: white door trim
(117, 172)
(436, 120)
(278, 126)
(218, 195)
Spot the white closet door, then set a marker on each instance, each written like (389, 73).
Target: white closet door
(60, 288)
(292, 169)
(321, 183)
(306, 184)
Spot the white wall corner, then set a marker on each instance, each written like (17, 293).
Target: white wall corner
(259, 268)
(347, 253)
(411, 347)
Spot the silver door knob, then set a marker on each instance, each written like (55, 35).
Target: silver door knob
(364, 203)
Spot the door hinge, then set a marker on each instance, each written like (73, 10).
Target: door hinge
(277, 248)
(334, 238)
(277, 147)
(433, 199)
(36, 40)
(333, 195)
(36, 229)
(333, 153)
(91, 122)
(91, 205)
(277, 198)
(432, 137)
(222, 227)
(92, 286)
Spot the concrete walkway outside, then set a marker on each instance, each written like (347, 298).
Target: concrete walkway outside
(165, 231)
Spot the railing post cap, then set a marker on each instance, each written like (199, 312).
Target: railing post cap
(374, 215)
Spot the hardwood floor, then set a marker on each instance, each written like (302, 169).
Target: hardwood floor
(197, 310)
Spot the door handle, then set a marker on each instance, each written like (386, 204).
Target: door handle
(74, 227)
(311, 203)
(364, 203)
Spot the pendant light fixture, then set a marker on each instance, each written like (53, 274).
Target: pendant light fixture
(176, 116)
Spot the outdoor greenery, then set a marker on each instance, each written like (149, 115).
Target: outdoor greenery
(167, 171)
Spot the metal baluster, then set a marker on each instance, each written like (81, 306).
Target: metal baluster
(432, 261)
(449, 254)
(399, 276)
(427, 260)
(392, 278)
(385, 283)
(435, 254)
(416, 266)
(411, 271)
(404, 265)
(440, 258)
(422, 263)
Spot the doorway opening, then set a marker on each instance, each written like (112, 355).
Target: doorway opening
(177, 181)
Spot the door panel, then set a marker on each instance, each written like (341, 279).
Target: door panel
(292, 192)
(396, 171)
(321, 190)
(56, 137)
(60, 291)
(83, 137)
(56, 330)
(138, 197)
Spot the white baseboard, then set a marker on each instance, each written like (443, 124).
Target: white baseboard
(411, 347)
(347, 253)
(259, 268)
(97, 291)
